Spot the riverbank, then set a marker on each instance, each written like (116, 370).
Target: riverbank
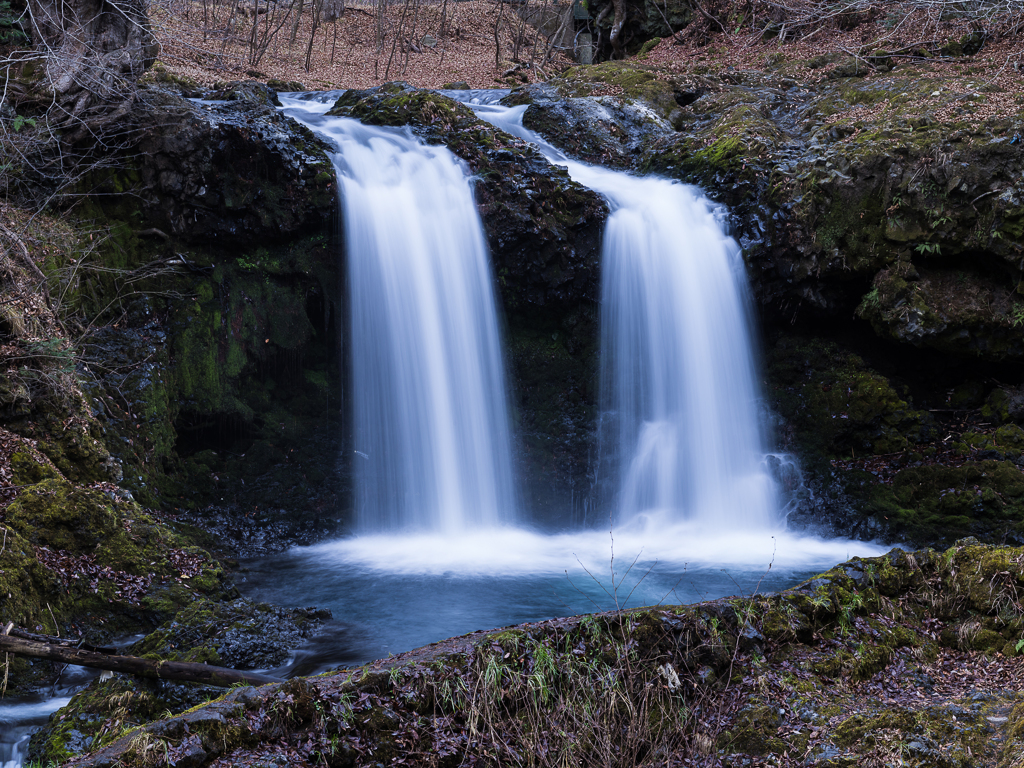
(909, 656)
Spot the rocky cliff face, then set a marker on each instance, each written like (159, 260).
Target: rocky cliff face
(231, 361)
(856, 214)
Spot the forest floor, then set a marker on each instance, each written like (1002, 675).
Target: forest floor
(431, 44)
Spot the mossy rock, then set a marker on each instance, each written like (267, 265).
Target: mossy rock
(26, 587)
(836, 404)
(957, 312)
(755, 731)
(59, 515)
(858, 727)
(939, 504)
(1013, 747)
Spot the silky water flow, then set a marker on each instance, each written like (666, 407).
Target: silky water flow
(431, 433)
(683, 433)
(437, 548)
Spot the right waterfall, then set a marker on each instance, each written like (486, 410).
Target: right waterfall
(682, 432)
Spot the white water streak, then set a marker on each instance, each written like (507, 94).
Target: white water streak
(679, 385)
(430, 413)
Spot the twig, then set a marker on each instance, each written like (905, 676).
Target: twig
(27, 259)
(54, 620)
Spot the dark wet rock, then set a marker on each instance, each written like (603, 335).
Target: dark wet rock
(543, 228)
(230, 167)
(239, 634)
(602, 130)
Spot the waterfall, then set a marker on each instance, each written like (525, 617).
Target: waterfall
(682, 429)
(678, 377)
(431, 432)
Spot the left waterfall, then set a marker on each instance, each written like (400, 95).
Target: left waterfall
(430, 419)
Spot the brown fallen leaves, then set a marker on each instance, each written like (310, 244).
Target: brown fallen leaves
(70, 569)
(427, 44)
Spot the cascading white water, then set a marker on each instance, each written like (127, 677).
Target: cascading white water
(431, 426)
(681, 399)
(678, 377)
(699, 461)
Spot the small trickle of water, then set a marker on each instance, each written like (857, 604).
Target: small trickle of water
(682, 432)
(431, 426)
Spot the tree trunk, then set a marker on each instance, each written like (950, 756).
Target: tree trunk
(618, 22)
(178, 671)
(297, 4)
(88, 55)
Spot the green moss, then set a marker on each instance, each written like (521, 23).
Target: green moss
(861, 729)
(940, 503)
(56, 514)
(1013, 746)
(629, 79)
(836, 404)
(647, 47)
(755, 731)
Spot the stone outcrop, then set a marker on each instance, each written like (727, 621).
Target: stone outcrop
(227, 167)
(888, 238)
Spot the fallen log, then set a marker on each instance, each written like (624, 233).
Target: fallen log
(63, 641)
(176, 671)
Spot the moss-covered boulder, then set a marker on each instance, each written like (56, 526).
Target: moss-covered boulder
(238, 634)
(947, 310)
(88, 561)
(834, 404)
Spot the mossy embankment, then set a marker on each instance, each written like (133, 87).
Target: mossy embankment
(238, 634)
(203, 295)
(908, 654)
(894, 446)
(85, 560)
(170, 343)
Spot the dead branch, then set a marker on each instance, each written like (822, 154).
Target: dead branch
(178, 671)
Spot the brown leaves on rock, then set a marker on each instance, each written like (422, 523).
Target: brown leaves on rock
(83, 569)
(187, 563)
